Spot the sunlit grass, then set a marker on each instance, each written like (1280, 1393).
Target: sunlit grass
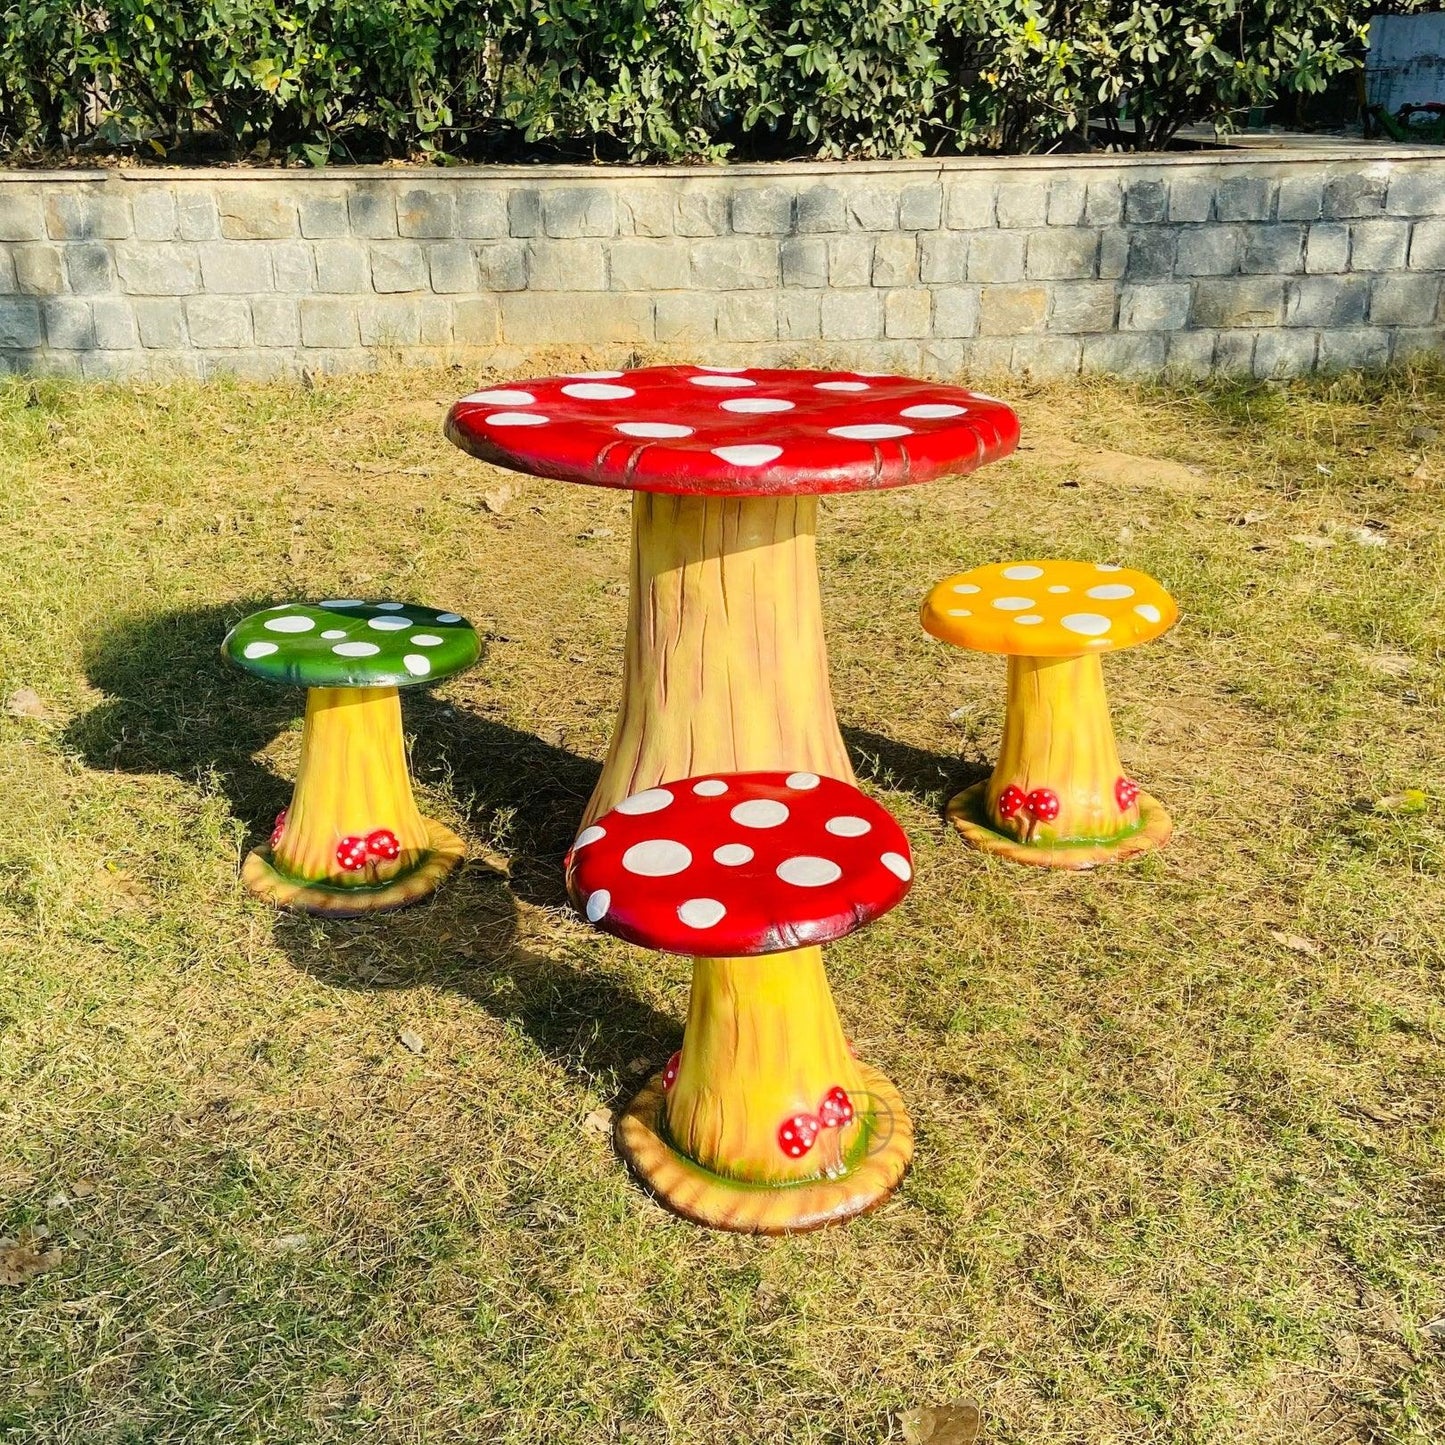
(1179, 1174)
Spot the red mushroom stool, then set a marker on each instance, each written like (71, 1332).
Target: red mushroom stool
(764, 1121)
(725, 665)
(1058, 796)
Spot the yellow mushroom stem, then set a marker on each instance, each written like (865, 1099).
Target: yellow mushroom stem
(352, 781)
(726, 666)
(1057, 736)
(763, 1043)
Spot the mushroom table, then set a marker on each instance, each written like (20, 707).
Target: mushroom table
(1057, 796)
(765, 1121)
(725, 666)
(352, 841)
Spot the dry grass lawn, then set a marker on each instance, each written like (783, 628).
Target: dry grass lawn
(1181, 1164)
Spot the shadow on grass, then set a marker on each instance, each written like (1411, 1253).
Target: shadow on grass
(932, 778)
(175, 707)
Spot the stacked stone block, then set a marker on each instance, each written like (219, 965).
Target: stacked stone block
(1258, 265)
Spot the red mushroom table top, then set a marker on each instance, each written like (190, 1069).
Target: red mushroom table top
(734, 431)
(736, 864)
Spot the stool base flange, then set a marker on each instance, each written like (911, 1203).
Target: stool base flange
(966, 813)
(444, 851)
(697, 1194)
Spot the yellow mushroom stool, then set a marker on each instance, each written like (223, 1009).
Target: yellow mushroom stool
(1058, 796)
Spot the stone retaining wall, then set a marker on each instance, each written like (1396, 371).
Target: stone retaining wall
(1270, 262)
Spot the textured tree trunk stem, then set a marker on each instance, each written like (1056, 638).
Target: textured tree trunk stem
(352, 780)
(1057, 735)
(726, 666)
(763, 1043)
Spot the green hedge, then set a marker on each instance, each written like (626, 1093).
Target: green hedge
(318, 80)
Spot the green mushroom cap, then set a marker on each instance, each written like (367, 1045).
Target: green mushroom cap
(349, 643)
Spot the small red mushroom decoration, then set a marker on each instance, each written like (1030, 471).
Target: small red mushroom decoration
(1011, 802)
(383, 844)
(278, 827)
(351, 854)
(1126, 792)
(836, 1108)
(797, 1134)
(669, 1074)
(1042, 804)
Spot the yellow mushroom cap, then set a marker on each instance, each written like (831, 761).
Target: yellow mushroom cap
(1048, 608)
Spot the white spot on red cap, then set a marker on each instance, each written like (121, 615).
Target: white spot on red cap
(593, 375)
(847, 826)
(588, 835)
(749, 455)
(597, 905)
(809, 872)
(657, 858)
(1086, 624)
(803, 781)
(517, 418)
(651, 800)
(760, 813)
(597, 391)
(932, 411)
(710, 788)
(897, 865)
(716, 380)
(840, 386)
(701, 912)
(654, 430)
(756, 405)
(732, 855)
(501, 397)
(870, 431)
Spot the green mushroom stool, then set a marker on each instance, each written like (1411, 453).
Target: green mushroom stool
(352, 841)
